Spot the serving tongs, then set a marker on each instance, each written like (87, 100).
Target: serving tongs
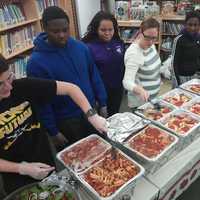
(113, 150)
(155, 105)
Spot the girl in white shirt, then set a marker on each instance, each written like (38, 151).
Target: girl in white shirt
(142, 65)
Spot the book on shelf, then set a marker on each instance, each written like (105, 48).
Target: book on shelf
(18, 67)
(11, 14)
(42, 4)
(127, 34)
(172, 28)
(14, 41)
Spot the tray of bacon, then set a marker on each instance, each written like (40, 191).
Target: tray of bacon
(108, 178)
(178, 97)
(80, 155)
(151, 143)
(192, 86)
(181, 122)
(149, 111)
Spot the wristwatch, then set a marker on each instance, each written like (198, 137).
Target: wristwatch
(90, 112)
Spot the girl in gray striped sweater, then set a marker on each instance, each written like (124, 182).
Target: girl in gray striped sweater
(142, 63)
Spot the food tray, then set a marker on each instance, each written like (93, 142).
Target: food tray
(107, 161)
(171, 139)
(122, 125)
(180, 112)
(152, 114)
(193, 106)
(89, 148)
(191, 86)
(175, 94)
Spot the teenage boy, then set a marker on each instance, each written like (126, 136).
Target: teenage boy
(57, 56)
(25, 154)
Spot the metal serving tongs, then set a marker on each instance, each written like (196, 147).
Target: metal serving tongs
(113, 147)
(155, 105)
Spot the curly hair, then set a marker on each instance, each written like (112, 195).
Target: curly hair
(92, 29)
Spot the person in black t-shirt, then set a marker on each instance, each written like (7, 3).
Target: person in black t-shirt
(186, 51)
(25, 154)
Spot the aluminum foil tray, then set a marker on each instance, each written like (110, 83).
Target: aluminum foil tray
(82, 154)
(193, 106)
(176, 119)
(109, 172)
(151, 143)
(178, 97)
(149, 112)
(192, 86)
(122, 125)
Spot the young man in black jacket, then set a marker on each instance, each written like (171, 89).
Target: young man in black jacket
(186, 51)
(25, 155)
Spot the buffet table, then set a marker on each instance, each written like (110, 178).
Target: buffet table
(171, 179)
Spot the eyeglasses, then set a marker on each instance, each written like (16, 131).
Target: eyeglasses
(10, 78)
(150, 38)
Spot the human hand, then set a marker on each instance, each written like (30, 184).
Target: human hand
(99, 123)
(144, 95)
(35, 170)
(103, 112)
(59, 140)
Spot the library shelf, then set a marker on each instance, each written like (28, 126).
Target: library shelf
(18, 52)
(7, 28)
(129, 23)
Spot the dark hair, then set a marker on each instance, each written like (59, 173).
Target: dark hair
(192, 14)
(3, 65)
(149, 23)
(51, 13)
(92, 28)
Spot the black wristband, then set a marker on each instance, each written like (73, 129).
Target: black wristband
(91, 112)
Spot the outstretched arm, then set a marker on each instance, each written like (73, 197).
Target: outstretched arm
(64, 88)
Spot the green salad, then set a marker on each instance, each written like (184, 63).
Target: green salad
(36, 193)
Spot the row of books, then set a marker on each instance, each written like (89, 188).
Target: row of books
(128, 33)
(19, 67)
(42, 4)
(17, 40)
(11, 14)
(172, 28)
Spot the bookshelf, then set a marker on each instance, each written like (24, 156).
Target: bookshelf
(20, 21)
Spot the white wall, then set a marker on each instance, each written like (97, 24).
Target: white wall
(86, 9)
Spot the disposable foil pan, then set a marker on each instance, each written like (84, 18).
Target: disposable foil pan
(189, 105)
(165, 120)
(142, 109)
(120, 191)
(122, 125)
(76, 164)
(158, 156)
(174, 93)
(187, 86)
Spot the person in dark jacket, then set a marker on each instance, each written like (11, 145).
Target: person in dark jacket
(58, 56)
(186, 51)
(102, 37)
